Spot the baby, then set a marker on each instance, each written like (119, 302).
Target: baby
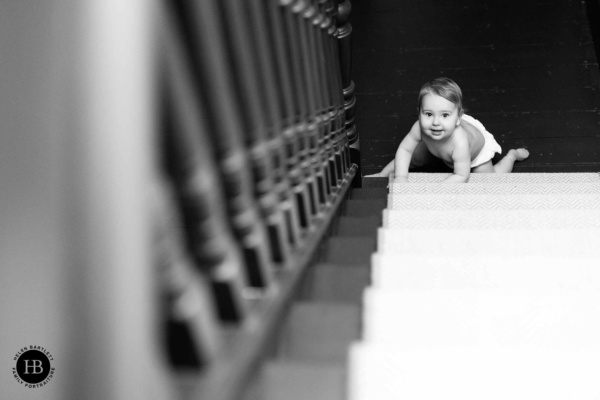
(444, 131)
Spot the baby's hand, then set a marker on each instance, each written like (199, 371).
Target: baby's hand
(401, 179)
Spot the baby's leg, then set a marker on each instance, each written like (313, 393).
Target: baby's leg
(505, 165)
(485, 168)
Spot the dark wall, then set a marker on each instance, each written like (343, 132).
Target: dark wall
(528, 71)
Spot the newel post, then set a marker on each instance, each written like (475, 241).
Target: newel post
(345, 53)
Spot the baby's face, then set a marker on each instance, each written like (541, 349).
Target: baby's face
(438, 117)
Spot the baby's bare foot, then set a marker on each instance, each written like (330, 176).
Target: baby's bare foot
(519, 154)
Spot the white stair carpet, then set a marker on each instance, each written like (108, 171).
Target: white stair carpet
(535, 274)
(523, 177)
(490, 242)
(494, 202)
(495, 188)
(566, 321)
(484, 290)
(491, 219)
(384, 372)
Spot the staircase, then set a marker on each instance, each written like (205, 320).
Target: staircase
(426, 290)
(483, 290)
(310, 362)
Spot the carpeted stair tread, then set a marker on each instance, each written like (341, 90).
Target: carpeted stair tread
(358, 226)
(491, 219)
(521, 177)
(373, 193)
(385, 372)
(302, 381)
(488, 201)
(490, 289)
(364, 207)
(320, 332)
(565, 320)
(494, 188)
(507, 274)
(490, 242)
(355, 250)
(334, 283)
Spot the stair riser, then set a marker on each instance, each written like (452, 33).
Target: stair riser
(523, 177)
(491, 219)
(495, 188)
(472, 243)
(568, 321)
(535, 274)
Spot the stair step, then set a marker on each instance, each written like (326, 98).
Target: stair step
(374, 193)
(490, 242)
(520, 177)
(303, 381)
(374, 182)
(566, 320)
(364, 207)
(487, 201)
(349, 250)
(384, 372)
(506, 274)
(491, 219)
(336, 283)
(494, 188)
(358, 226)
(320, 332)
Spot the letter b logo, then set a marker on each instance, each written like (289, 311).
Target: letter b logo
(33, 366)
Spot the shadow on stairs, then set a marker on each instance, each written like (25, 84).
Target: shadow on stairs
(311, 359)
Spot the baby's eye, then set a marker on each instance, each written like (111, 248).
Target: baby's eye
(445, 115)
(428, 114)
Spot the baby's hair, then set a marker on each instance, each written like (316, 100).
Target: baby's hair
(443, 87)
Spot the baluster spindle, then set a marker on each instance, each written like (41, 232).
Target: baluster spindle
(188, 312)
(301, 16)
(323, 151)
(345, 56)
(303, 89)
(290, 96)
(207, 40)
(328, 53)
(271, 88)
(336, 87)
(190, 163)
(245, 66)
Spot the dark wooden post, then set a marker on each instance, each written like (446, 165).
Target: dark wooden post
(345, 53)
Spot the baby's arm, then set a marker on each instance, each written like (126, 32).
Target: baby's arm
(384, 173)
(405, 152)
(461, 160)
